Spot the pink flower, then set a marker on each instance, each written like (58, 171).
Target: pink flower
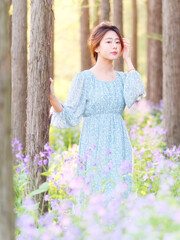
(152, 178)
(145, 177)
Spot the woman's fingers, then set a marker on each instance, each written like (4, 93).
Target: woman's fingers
(126, 41)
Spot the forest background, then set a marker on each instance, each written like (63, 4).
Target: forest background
(67, 40)
(24, 114)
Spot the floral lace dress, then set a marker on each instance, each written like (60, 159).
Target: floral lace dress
(104, 148)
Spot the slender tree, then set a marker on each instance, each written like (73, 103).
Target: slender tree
(118, 21)
(19, 69)
(171, 71)
(134, 33)
(105, 10)
(84, 35)
(38, 87)
(6, 173)
(96, 17)
(154, 51)
(52, 44)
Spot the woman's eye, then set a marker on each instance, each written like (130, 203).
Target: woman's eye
(117, 42)
(108, 42)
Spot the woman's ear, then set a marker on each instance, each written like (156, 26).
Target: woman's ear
(97, 50)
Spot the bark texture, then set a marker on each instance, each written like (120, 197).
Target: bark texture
(105, 10)
(118, 21)
(171, 71)
(38, 86)
(154, 49)
(134, 33)
(19, 69)
(6, 173)
(52, 44)
(84, 36)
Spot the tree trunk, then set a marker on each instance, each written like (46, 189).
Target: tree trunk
(171, 71)
(118, 21)
(96, 17)
(84, 35)
(38, 87)
(134, 33)
(105, 10)
(154, 49)
(19, 69)
(52, 45)
(6, 173)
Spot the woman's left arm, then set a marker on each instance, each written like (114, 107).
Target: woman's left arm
(126, 55)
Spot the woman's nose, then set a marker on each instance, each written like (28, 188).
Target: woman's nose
(114, 45)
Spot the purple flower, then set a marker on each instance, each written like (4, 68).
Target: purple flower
(145, 177)
(152, 178)
(26, 159)
(125, 167)
(42, 154)
(54, 204)
(27, 171)
(46, 198)
(29, 204)
(18, 170)
(48, 149)
(16, 145)
(20, 156)
(45, 161)
(40, 162)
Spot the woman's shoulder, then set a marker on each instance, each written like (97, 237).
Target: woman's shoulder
(85, 75)
(82, 74)
(121, 73)
(83, 78)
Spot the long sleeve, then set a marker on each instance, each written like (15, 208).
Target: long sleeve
(74, 106)
(133, 88)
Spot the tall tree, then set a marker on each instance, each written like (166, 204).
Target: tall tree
(154, 51)
(171, 71)
(105, 10)
(84, 35)
(96, 17)
(19, 69)
(134, 33)
(52, 44)
(38, 86)
(6, 173)
(118, 21)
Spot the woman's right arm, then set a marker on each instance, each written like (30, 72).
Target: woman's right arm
(53, 99)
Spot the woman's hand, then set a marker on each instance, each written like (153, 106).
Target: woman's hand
(127, 55)
(126, 51)
(52, 94)
(53, 99)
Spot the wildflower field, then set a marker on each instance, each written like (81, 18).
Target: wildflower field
(151, 211)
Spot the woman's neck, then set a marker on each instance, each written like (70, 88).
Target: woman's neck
(104, 65)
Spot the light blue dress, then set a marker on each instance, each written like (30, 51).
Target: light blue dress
(104, 148)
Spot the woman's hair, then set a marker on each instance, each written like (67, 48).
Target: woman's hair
(97, 35)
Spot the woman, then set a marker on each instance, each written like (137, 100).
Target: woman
(99, 95)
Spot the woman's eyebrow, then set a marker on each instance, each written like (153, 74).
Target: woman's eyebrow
(111, 38)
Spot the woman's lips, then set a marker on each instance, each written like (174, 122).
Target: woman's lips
(114, 53)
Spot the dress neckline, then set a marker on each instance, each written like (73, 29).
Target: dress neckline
(102, 80)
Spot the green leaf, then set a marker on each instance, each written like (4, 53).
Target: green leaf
(46, 174)
(42, 188)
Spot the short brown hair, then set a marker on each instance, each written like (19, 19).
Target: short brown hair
(97, 35)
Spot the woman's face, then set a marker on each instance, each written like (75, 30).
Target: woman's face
(110, 46)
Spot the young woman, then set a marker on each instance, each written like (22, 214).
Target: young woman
(99, 95)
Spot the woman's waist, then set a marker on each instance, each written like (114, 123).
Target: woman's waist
(101, 114)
